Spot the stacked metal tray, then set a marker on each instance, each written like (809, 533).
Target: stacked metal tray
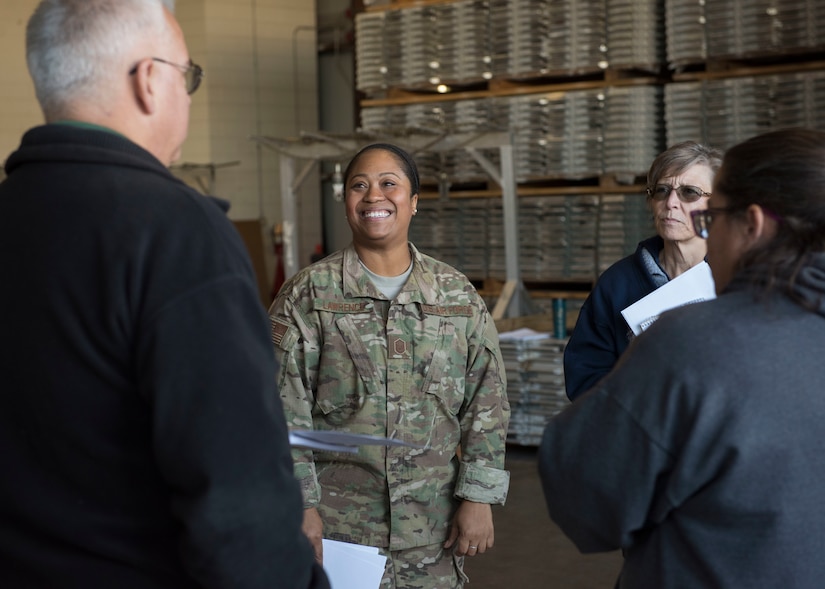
(724, 112)
(623, 221)
(558, 135)
(424, 46)
(756, 27)
(370, 61)
(685, 32)
(520, 37)
(455, 232)
(557, 238)
(635, 34)
(419, 42)
(531, 118)
(815, 94)
(633, 129)
(540, 37)
(470, 41)
(535, 385)
(582, 214)
(586, 22)
(573, 237)
(542, 237)
(684, 112)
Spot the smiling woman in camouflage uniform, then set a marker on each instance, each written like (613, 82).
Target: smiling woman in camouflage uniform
(381, 339)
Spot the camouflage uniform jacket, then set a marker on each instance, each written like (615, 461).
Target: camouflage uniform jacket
(425, 368)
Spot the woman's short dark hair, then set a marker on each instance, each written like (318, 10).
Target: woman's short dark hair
(784, 173)
(681, 156)
(404, 159)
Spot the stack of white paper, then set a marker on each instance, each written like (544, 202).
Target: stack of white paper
(339, 441)
(352, 566)
(523, 334)
(693, 286)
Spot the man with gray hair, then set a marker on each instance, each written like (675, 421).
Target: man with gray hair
(142, 440)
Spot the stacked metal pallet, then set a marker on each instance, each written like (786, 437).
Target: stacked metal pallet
(540, 37)
(557, 135)
(740, 28)
(470, 42)
(724, 112)
(475, 116)
(535, 385)
(377, 51)
(456, 232)
(633, 130)
(543, 237)
(420, 41)
(423, 45)
(685, 32)
(572, 238)
(635, 34)
(573, 135)
(747, 27)
(623, 221)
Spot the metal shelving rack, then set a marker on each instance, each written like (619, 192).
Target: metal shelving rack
(310, 149)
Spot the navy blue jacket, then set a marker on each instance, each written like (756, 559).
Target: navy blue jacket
(142, 441)
(601, 333)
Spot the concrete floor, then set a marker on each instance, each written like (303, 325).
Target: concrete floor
(530, 551)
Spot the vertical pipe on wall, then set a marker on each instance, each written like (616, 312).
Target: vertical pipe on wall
(259, 164)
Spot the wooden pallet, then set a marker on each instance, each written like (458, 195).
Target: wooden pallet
(718, 67)
(547, 186)
(536, 83)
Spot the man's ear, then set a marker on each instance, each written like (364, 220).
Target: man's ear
(144, 86)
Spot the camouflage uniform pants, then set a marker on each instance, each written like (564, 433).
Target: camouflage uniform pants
(423, 567)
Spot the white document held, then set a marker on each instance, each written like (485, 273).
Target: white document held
(523, 334)
(693, 286)
(338, 441)
(352, 566)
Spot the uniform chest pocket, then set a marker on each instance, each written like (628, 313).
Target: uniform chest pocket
(348, 371)
(446, 370)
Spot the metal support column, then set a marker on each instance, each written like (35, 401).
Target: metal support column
(514, 301)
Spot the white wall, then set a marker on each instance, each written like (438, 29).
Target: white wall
(18, 107)
(261, 69)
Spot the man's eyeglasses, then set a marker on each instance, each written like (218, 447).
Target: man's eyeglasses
(703, 219)
(685, 192)
(192, 73)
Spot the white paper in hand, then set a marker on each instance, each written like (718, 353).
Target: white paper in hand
(338, 441)
(693, 286)
(352, 566)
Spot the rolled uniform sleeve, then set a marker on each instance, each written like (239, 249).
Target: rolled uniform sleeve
(484, 421)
